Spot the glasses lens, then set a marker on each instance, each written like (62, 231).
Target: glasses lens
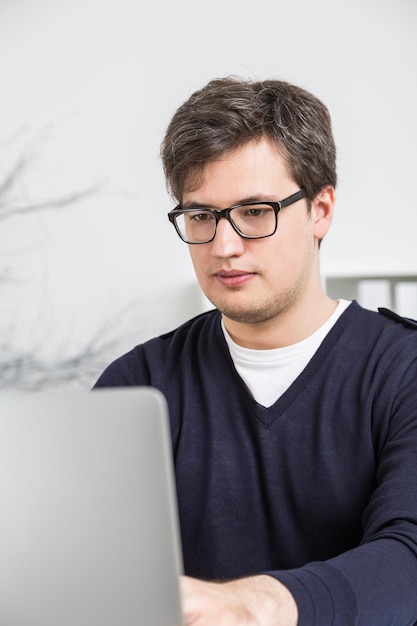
(254, 220)
(196, 226)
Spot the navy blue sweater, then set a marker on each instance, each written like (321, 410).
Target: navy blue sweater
(320, 489)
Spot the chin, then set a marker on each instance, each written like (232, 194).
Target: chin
(248, 314)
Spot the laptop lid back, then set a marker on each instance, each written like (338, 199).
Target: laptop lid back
(88, 520)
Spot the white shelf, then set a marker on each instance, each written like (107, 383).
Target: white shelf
(372, 290)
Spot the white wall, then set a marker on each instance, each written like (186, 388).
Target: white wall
(91, 86)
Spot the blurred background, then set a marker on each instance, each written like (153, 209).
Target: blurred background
(89, 264)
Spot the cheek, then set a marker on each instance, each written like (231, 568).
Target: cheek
(198, 258)
(293, 248)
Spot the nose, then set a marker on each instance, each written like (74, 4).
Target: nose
(227, 242)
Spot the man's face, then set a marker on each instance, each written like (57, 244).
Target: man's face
(254, 281)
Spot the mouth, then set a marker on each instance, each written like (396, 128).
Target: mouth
(234, 278)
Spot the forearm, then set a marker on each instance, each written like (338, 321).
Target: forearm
(255, 601)
(372, 585)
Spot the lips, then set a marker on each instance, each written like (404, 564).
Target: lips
(233, 278)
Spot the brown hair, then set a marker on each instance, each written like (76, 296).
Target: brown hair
(229, 112)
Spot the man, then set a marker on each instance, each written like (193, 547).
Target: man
(293, 416)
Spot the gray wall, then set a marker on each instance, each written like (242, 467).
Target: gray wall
(88, 88)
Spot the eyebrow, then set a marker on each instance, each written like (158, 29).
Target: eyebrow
(258, 198)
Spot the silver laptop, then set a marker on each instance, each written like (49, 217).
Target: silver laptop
(88, 520)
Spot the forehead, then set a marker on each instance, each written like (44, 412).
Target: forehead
(254, 171)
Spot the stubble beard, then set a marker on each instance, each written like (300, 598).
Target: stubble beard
(252, 311)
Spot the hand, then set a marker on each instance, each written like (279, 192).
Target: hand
(255, 601)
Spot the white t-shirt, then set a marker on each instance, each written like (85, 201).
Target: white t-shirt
(269, 373)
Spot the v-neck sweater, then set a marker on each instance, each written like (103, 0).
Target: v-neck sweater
(320, 489)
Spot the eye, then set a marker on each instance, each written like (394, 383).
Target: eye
(200, 217)
(255, 212)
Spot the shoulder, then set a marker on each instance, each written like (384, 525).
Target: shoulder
(382, 343)
(140, 365)
(204, 322)
(407, 322)
(392, 329)
(378, 323)
(375, 341)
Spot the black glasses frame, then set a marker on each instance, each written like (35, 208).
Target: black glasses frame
(219, 213)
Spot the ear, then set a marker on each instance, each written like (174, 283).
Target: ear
(322, 211)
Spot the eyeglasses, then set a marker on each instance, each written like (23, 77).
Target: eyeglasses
(251, 220)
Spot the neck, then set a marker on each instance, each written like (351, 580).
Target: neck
(286, 328)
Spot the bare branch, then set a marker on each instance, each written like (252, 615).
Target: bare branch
(11, 207)
(29, 369)
(10, 179)
(45, 205)
(25, 370)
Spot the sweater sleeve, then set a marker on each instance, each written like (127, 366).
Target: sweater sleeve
(374, 584)
(127, 370)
